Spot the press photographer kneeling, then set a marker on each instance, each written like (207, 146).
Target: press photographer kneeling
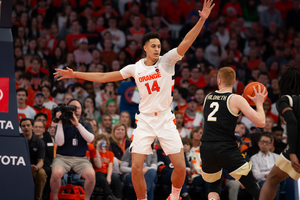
(72, 135)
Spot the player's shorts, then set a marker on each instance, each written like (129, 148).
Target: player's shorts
(78, 164)
(160, 125)
(218, 155)
(283, 162)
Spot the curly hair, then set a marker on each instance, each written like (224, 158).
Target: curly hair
(289, 83)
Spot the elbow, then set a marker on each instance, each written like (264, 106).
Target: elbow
(60, 143)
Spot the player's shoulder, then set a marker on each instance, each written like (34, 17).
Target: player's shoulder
(290, 100)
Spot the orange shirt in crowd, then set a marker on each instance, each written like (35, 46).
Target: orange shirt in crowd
(106, 158)
(71, 40)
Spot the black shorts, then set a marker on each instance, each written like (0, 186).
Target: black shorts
(218, 155)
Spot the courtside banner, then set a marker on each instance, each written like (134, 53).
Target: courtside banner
(4, 94)
(9, 124)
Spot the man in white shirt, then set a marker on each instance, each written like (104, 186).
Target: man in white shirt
(153, 76)
(263, 161)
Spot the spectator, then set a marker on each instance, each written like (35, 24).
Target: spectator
(278, 57)
(133, 51)
(24, 82)
(197, 77)
(106, 125)
(181, 103)
(212, 82)
(192, 118)
(40, 108)
(213, 52)
(91, 34)
(111, 109)
(278, 132)
(134, 10)
(37, 73)
(267, 109)
(273, 90)
(263, 161)
(119, 141)
(149, 171)
(125, 119)
(136, 31)
(263, 78)
(271, 14)
(62, 18)
(104, 177)
(67, 28)
(37, 154)
(24, 110)
(223, 34)
(250, 11)
(85, 16)
(168, 11)
(198, 57)
(39, 131)
(100, 24)
(107, 94)
(89, 108)
(108, 55)
(79, 92)
(292, 16)
(200, 96)
(73, 38)
(82, 54)
(118, 36)
(184, 132)
(71, 152)
(184, 74)
(46, 90)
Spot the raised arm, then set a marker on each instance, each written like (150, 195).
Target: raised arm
(90, 76)
(191, 36)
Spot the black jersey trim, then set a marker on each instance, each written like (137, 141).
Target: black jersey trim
(290, 100)
(227, 103)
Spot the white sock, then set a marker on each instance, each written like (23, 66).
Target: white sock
(175, 193)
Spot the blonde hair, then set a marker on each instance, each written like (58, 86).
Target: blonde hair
(126, 112)
(117, 125)
(227, 76)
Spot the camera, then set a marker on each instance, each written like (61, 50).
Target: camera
(66, 113)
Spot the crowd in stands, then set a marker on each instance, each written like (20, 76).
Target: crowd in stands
(257, 38)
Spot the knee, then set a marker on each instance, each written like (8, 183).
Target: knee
(42, 174)
(137, 169)
(89, 175)
(57, 173)
(180, 168)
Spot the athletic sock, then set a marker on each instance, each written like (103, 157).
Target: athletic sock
(175, 193)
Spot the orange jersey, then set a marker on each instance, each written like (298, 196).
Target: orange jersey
(106, 158)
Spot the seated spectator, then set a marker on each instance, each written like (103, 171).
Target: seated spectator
(108, 54)
(263, 161)
(171, 16)
(24, 82)
(91, 34)
(187, 144)
(71, 139)
(39, 130)
(37, 73)
(118, 36)
(110, 184)
(125, 119)
(149, 171)
(67, 28)
(223, 34)
(94, 125)
(267, 105)
(200, 96)
(24, 110)
(165, 169)
(82, 54)
(278, 132)
(40, 108)
(213, 52)
(192, 117)
(133, 51)
(85, 15)
(263, 77)
(279, 57)
(46, 90)
(119, 141)
(79, 92)
(137, 31)
(198, 57)
(212, 84)
(196, 135)
(111, 109)
(37, 155)
(271, 14)
(253, 144)
(184, 74)
(134, 10)
(197, 77)
(250, 12)
(105, 125)
(241, 130)
(184, 132)
(72, 39)
(90, 110)
(107, 94)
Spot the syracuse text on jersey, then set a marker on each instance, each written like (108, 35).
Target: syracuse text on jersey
(217, 97)
(150, 77)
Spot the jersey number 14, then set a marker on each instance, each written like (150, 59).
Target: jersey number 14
(154, 87)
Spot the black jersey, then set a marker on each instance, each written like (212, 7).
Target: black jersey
(219, 121)
(294, 103)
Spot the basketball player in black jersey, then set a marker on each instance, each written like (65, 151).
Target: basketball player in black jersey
(219, 149)
(289, 107)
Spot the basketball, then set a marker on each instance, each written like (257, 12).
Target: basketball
(249, 90)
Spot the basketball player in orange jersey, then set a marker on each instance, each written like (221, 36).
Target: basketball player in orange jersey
(153, 76)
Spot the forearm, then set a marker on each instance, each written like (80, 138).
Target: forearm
(190, 37)
(124, 167)
(109, 170)
(97, 160)
(40, 164)
(153, 166)
(292, 130)
(59, 136)
(89, 137)
(99, 77)
(261, 116)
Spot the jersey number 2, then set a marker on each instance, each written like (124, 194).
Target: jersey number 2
(155, 87)
(214, 105)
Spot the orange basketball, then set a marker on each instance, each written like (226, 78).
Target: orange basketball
(250, 91)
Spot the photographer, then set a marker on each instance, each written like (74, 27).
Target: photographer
(72, 136)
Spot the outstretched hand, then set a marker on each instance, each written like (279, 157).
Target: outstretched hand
(207, 7)
(63, 73)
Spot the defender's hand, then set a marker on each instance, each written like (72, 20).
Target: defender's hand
(62, 73)
(207, 7)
